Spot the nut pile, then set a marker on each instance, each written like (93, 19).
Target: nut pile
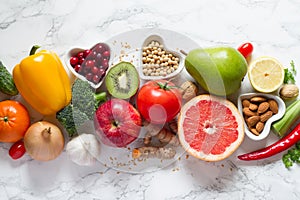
(257, 110)
(157, 61)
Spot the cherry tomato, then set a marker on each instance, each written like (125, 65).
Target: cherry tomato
(246, 49)
(17, 150)
(159, 101)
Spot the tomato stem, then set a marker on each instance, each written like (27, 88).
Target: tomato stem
(163, 86)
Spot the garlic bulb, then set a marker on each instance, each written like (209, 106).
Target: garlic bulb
(83, 149)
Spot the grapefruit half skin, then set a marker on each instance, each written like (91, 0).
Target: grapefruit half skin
(210, 128)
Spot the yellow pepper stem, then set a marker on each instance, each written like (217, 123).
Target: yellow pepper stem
(33, 49)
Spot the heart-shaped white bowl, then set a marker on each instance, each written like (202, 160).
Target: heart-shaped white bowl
(74, 51)
(268, 123)
(160, 40)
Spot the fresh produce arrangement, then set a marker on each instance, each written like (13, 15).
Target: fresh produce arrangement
(112, 108)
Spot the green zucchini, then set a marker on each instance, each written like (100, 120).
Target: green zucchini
(7, 84)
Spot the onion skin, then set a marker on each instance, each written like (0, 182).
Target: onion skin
(44, 141)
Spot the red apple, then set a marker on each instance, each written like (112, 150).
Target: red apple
(117, 123)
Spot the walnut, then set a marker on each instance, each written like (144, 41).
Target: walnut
(289, 91)
(188, 90)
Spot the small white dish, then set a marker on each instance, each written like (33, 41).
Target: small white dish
(268, 123)
(72, 52)
(160, 40)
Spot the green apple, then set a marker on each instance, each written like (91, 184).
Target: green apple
(218, 70)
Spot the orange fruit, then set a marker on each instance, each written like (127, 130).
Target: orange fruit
(210, 128)
(14, 121)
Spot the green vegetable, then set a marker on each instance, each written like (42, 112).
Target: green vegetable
(289, 74)
(7, 84)
(71, 118)
(85, 99)
(82, 108)
(286, 159)
(292, 114)
(292, 156)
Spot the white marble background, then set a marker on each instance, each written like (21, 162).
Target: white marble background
(273, 26)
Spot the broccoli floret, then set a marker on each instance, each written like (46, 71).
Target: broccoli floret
(71, 118)
(82, 108)
(85, 99)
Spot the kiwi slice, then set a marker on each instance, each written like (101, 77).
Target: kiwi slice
(122, 80)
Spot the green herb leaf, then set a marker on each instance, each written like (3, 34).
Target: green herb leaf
(289, 74)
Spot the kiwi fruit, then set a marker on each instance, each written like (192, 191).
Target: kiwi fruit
(122, 80)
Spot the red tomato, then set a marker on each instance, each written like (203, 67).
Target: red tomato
(17, 150)
(246, 49)
(159, 101)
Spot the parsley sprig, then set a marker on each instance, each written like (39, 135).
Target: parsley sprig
(290, 73)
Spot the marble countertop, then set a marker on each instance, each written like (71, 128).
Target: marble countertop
(271, 25)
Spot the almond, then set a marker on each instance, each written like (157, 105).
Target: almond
(253, 107)
(254, 131)
(257, 99)
(259, 126)
(273, 106)
(245, 103)
(248, 112)
(263, 107)
(251, 121)
(264, 117)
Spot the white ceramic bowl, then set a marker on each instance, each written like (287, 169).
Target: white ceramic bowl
(73, 51)
(159, 39)
(267, 127)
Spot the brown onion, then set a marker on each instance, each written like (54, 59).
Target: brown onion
(44, 141)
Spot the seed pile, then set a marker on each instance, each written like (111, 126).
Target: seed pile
(257, 111)
(157, 61)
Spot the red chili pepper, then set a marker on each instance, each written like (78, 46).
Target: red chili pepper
(283, 144)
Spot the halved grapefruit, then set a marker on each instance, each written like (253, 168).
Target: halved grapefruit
(210, 128)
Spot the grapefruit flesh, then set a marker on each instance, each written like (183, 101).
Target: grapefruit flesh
(210, 128)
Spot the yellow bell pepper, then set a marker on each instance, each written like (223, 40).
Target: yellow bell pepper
(43, 82)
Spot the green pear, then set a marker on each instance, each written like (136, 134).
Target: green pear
(218, 70)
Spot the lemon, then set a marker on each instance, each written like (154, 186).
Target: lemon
(266, 74)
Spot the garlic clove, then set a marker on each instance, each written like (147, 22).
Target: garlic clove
(83, 149)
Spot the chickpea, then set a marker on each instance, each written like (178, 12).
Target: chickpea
(158, 62)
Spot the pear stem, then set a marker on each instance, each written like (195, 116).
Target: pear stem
(183, 52)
